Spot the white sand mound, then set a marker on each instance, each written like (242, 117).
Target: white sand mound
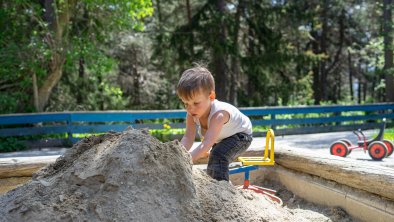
(131, 176)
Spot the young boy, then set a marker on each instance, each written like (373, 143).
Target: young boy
(220, 125)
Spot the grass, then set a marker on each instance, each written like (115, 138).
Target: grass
(389, 134)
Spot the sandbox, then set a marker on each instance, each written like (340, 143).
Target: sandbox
(132, 176)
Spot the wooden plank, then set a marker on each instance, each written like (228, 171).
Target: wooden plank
(130, 117)
(126, 117)
(102, 128)
(106, 116)
(159, 126)
(23, 166)
(315, 109)
(102, 117)
(317, 120)
(368, 177)
(33, 118)
(27, 131)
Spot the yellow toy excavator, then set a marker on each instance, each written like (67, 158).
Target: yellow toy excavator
(253, 163)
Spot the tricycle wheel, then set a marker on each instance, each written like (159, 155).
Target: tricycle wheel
(339, 148)
(377, 150)
(348, 144)
(390, 147)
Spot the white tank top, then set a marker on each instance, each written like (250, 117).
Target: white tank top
(237, 123)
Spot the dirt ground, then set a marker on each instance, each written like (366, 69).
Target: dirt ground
(131, 176)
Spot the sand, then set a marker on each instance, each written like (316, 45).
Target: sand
(131, 176)
(307, 210)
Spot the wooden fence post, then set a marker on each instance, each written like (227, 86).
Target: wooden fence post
(337, 123)
(273, 117)
(69, 128)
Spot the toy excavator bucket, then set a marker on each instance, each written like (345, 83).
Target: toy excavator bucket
(264, 160)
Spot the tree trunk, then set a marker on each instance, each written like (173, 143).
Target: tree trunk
(324, 68)
(235, 66)
(359, 82)
(35, 93)
(359, 91)
(337, 88)
(316, 71)
(58, 18)
(219, 60)
(388, 50)
(365, 83)
(81, 81)
(378, 79)
(349, 57)
(323, 49)
(136, 83)
(339, 96)
(191, 37)
(55, 73)
(250, 52)
(159, 16)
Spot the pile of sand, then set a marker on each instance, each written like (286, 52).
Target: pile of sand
(132, 176)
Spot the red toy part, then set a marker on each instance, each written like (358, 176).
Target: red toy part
(390, 147)
(265, 191)
(339, 148)
(377, 150)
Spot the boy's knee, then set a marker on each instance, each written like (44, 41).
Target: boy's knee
(218, 169)
(217, 174)
(216, 154)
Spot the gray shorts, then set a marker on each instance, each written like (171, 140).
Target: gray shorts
(223, 153)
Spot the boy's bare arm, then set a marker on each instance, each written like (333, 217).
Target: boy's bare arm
(190, 134)
(214, 128)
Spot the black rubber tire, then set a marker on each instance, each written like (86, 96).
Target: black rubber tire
(377, 150)
(348, 143)
(339, 148)
(390, 147)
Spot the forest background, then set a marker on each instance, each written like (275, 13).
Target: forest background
(69, 55)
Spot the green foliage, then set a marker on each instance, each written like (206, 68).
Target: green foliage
(260, 128)
(273, 52)
(9, 144)
(17, 143)
(95, 90)
(28, 45)
(90, 80)
(21, 54)
(389, 134)
(166, 134)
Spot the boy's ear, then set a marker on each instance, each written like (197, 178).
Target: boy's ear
(212, 95)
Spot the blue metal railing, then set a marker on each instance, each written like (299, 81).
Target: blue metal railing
(285, 120)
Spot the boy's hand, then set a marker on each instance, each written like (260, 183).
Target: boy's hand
(196, 156)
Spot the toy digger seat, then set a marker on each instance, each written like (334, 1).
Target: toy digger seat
(264, 160)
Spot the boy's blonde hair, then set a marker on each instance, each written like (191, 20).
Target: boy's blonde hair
(195, 80)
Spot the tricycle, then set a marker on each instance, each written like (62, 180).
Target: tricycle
(378, 148)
